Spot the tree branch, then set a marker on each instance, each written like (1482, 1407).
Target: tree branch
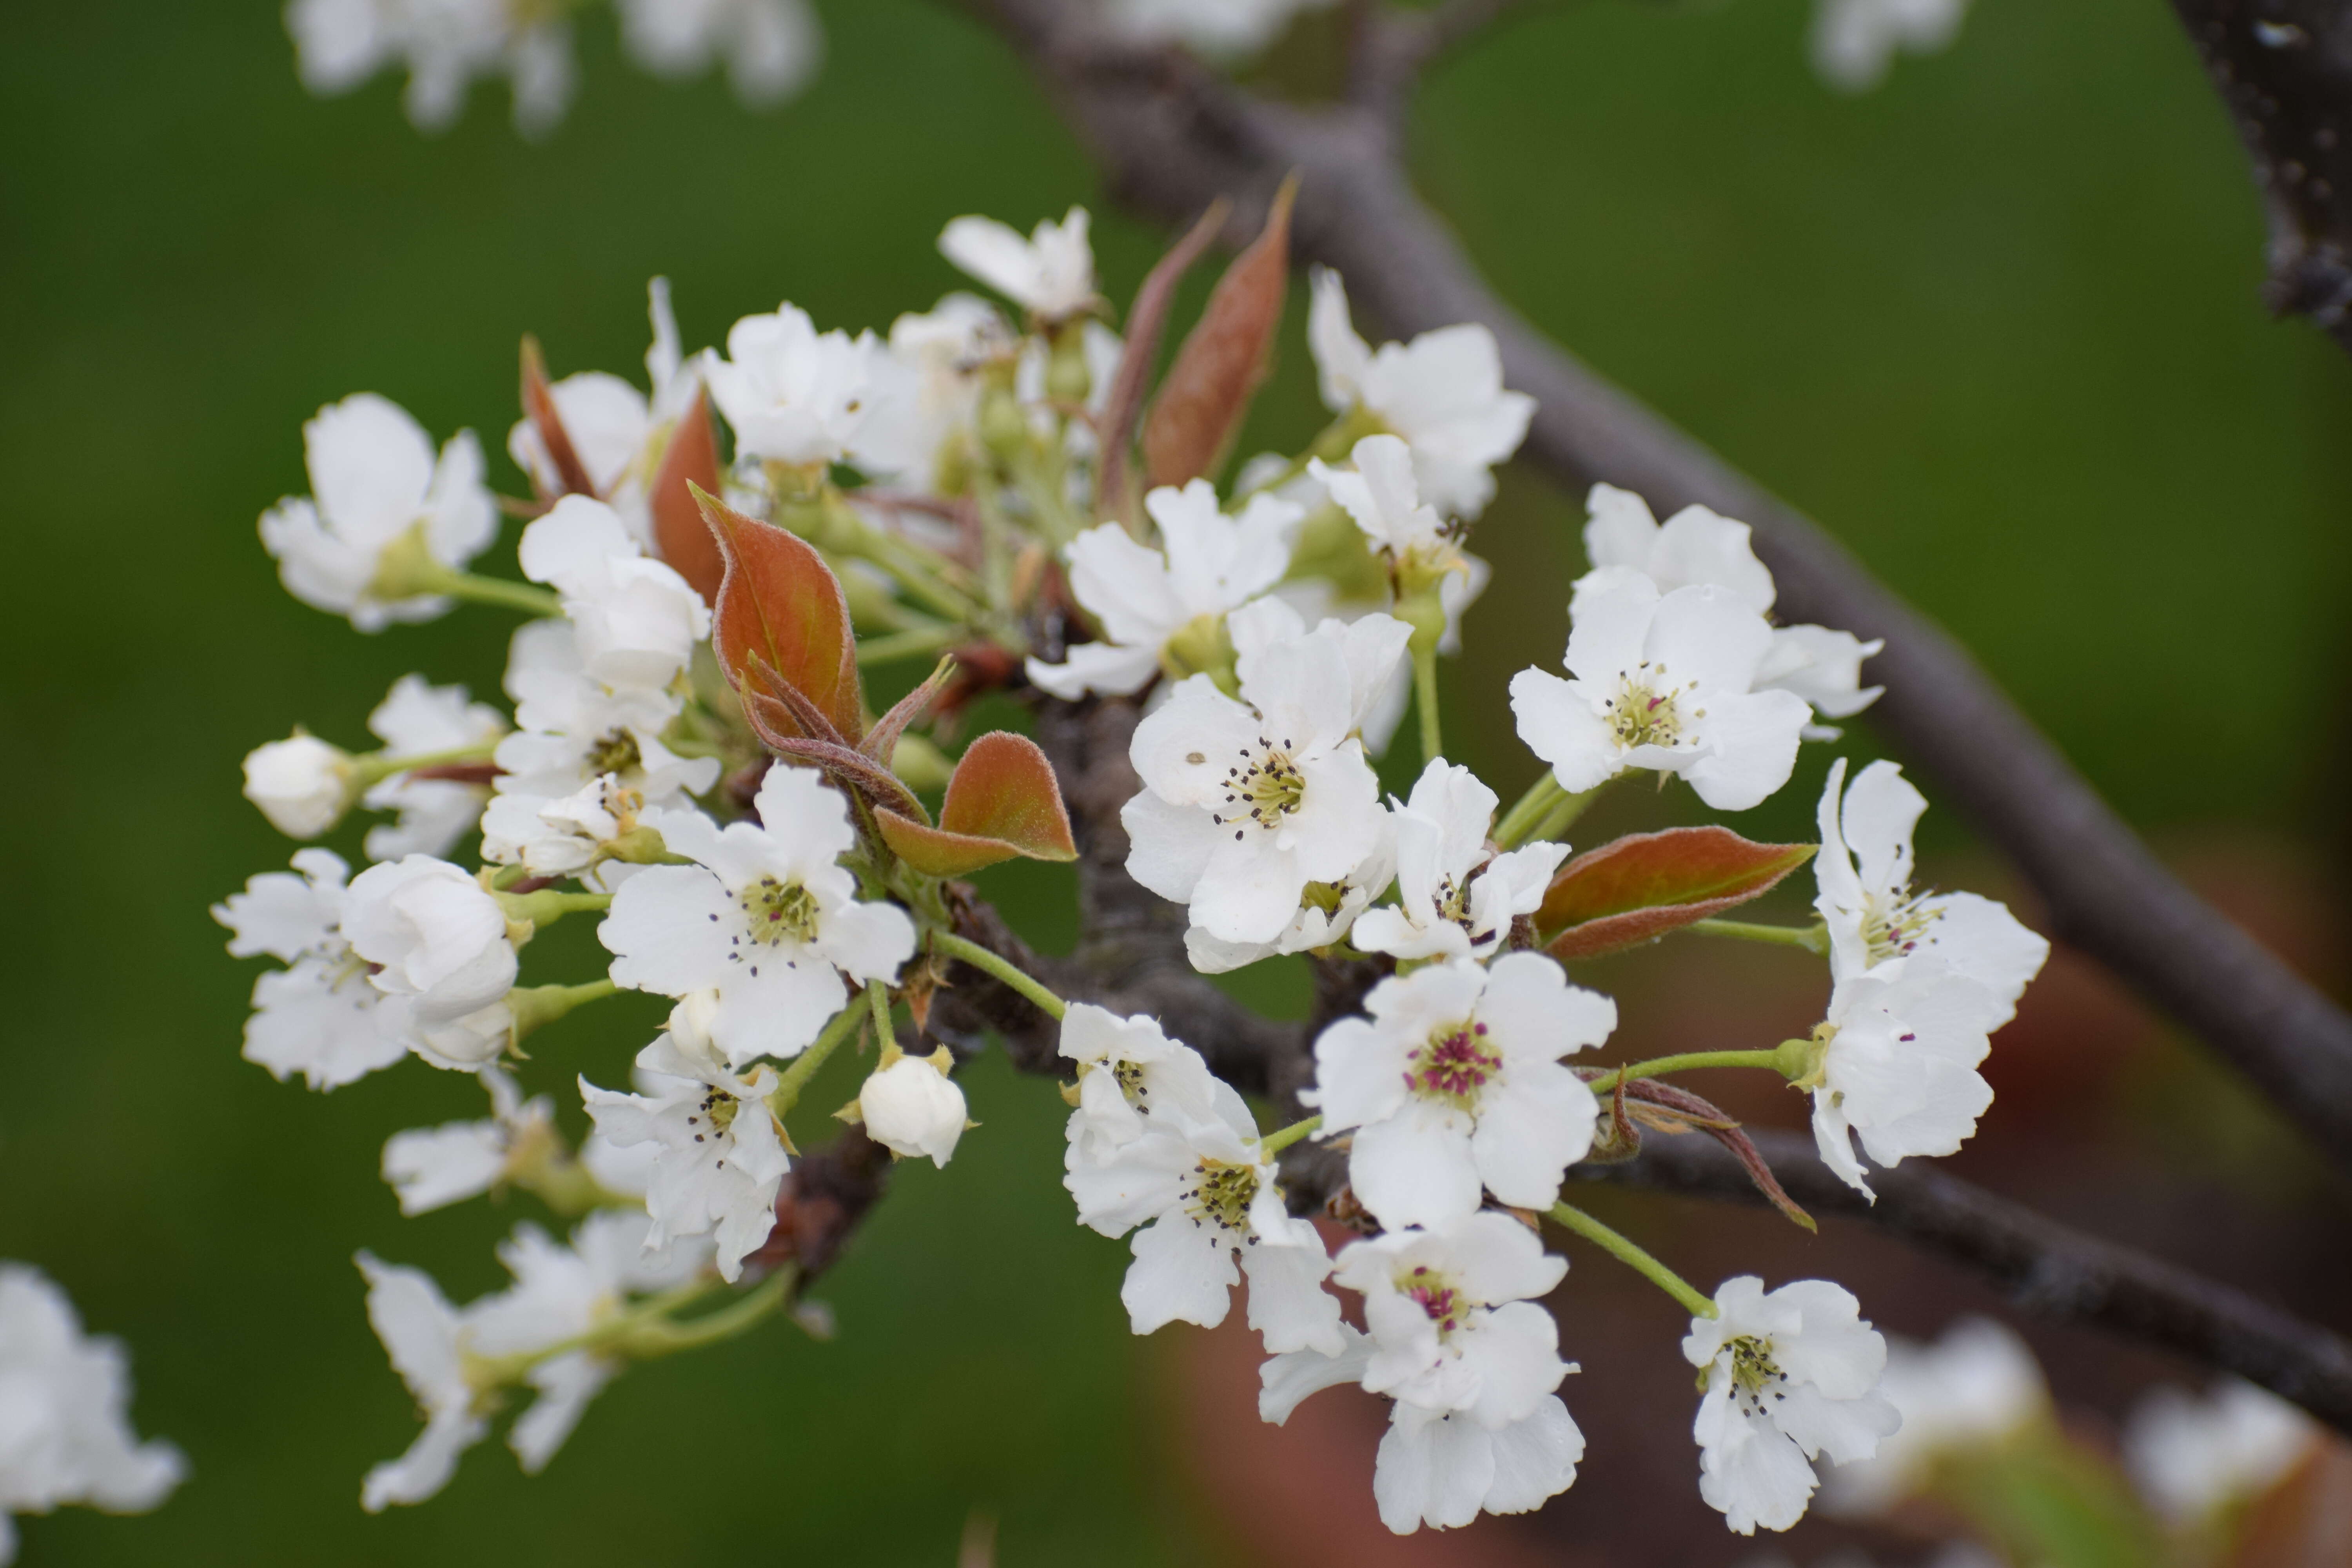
(2283, 70)
(2046, 1268)
(1171, 136)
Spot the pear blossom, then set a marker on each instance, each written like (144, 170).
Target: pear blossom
(618, 433)
(1051, 274)
(1211, 1213)
(1699, 546)
(572, 729)
(767, 921)
(719, 1154)
(1130, 1072)
(1897, 1067)
(1444, 1469)
(1328, 911)
(65, 1427)
(1208, 564)
(1453, 1315)
(790, 392)
(445, 44)
(1877, 925)
(1443, 392)
(2193, 1457)
(566, 834)
(772, 47)
(302, 785)
(1456, 897)
(373, 479)
(1372, 647)
(1245, 801)
(634, 621)
(1385, 498)
(432, 1167)
(1664, 682)
(1855, 41)
(1455, 1084)
(913, 1108)
(1222, 29)
(426, 1338)
(1790, 1376)
(319, 1017)
(1972, 1390)
(435, 936)
(416, 720)
(929, 381)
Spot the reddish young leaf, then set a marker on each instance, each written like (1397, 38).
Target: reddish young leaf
(1208, 390)
(1647, 884)
(780, 604)
(680, 535)
(538, 407)
(1145, 320)
(1002, 802)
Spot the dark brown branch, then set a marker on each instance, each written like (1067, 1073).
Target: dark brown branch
(2283, 70)
(1171, 136)
(2045, 1268)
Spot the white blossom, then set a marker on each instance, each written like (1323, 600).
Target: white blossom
(1247, 802)
(302, 785)
(1222, 29)
(766, 920)
(634, 621)
(416, 720)
(445, 44)
(1899, 1068)
(1664, 682)
(319, 1017)
(913, 1108)
(434, 935)
(1854, 41)
(772, 47)
(562, 836)
(1455, 1084)
(65, 1426)
(1328, 911)
(1878, 926)
(720, 1153)
(426, 1339)
(1208, 564)
(789, 391)
(432, 1167)
(1971, 1390)
(1051, 274)
(1790, 1376)
(1453, 1315)
(1443, 392)
(1207, 1200)
(1444, 1469)
(1382, 496)
(374, 478)
(1457, 896)
(572, 730)
(1130, 1072)
(929, 384)
(2192, 1457)
(1698, 546)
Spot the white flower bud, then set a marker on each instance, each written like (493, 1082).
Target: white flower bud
(302, 785)
(913, 1108)
(435, 934)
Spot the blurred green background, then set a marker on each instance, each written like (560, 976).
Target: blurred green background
(1995, 324)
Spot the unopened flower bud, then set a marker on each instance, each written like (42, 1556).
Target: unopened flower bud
(913, 1108)
(301, 783)
(435, 935)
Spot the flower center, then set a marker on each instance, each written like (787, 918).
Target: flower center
(1754, 1376)
(777, 911)
(1445, 1303)
(1647, 709)
(1452, 1066)
(715, 1115)
(1130, 1076)
(614, 752)
(1263, 791)
(1220, 1194)
(1891, 927)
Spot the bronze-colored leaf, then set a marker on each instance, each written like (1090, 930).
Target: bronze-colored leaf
(690, 461)
(1145, 322)
(780, 605)
(1002, 802)
(1644, 885)
(1201, 405)
(538, 407)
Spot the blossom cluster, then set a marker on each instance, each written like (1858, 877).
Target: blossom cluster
(688, 753)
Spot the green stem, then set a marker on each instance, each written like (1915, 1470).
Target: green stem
(661, 1336)
(536, 1006)
(1634, 1258)
(547, 906)
(376, 765)
(906, 645)
(802, 1067)
(877, 1002)
(979, 957)
(530, 599)
(1814, 939)
(1659, 1066)
(1274, 1143)
(1425, 698)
